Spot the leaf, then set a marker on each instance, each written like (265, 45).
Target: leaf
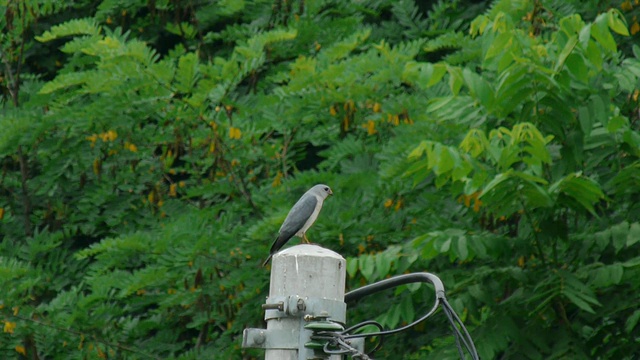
(586, 121)
(631, 322)
(566, 51)
(608, 275)
(419, 150)
(456, 79)
(407, 311)
(584, 190)
(619, 234)
(438, 73)
(383, 264)
(187, 72)
(461, 246)
(352, 267)
(600, 32)
(634, 234)
(616, 123)
(65, 81)
(479, 88)
(502, 42)
(85, 26)
(617, 22)
(367, 267)
(577, 292)
(578, 301)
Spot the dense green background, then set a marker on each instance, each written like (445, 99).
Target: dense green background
(149, 151)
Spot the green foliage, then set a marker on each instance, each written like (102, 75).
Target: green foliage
(149, 152)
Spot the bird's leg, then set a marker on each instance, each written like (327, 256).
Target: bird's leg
(304, 239)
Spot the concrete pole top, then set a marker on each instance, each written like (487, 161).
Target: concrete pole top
(309, 250)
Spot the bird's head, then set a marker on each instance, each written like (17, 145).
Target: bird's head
(321, 190)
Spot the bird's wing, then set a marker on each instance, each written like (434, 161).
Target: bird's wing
(298, 216)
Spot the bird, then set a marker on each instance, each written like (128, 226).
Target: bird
(300, 218)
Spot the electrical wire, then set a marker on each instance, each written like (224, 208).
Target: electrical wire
(363, 324)
(461, 338)
(466, 338)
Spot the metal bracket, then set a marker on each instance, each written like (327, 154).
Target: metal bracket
(270, 339)
(295, 306)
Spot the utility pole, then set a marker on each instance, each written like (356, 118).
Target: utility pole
(306, 294)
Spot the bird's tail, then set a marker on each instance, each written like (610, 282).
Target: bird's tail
(267, 260)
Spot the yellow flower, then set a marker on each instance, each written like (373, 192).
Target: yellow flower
(477, 204)
(345, 123)
(361, 249)
(20, 349)
(278, 180)
(371, 127)
(9, 327)
(112, 135)
(172, 190)
(97, 166)
(332, 110)
(377, 107)
(131, 147)
(234, 133)
(635, 28)
(626, 6)
(388, 203)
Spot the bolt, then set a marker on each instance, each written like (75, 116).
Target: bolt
(259, 338)
(276, 306)
(301, 305)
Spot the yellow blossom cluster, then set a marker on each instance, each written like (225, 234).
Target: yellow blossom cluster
(108, 136)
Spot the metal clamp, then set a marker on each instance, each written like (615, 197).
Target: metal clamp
(293, 305)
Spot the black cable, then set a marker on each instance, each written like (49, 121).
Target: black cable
(456, 333)
(470, 346)
(440, 299)
(391, 283)
(395, 281)
(363, 324)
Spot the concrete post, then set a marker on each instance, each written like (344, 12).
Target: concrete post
(310, 272)
(307, 281)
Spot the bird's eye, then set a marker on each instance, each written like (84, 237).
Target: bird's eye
(326, 189)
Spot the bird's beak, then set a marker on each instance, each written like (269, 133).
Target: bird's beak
(330, 192)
